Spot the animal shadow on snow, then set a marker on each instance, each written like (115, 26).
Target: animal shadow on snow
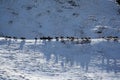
(22, 43)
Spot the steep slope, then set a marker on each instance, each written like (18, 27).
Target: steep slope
(35, 18)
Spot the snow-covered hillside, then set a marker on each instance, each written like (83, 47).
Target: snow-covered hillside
(30, 59)
(35, 18)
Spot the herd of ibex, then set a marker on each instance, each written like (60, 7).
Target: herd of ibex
(65, 39)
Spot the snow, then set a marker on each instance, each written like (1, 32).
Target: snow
(55, 60)
(36, 18)
(31, 59)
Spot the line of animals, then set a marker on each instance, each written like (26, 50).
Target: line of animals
(72, 39)
(118, 1)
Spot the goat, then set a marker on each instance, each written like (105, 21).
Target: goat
(23, 38)
(35, 39)
(14, 37)
(57, 38)
(118, 1)
(49, 38)
(115, 38)
(85, 40)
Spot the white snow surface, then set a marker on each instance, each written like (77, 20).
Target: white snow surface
(52, 60)
(43, 60)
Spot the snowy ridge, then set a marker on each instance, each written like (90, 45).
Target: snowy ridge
(64, 40)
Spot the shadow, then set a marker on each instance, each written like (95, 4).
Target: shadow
(35, 42)
(22, 43)
(9, 42)
(110, 57)
(3, 42)
(35, 45)
(68, 54)
(111, 62)
(104, 55)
